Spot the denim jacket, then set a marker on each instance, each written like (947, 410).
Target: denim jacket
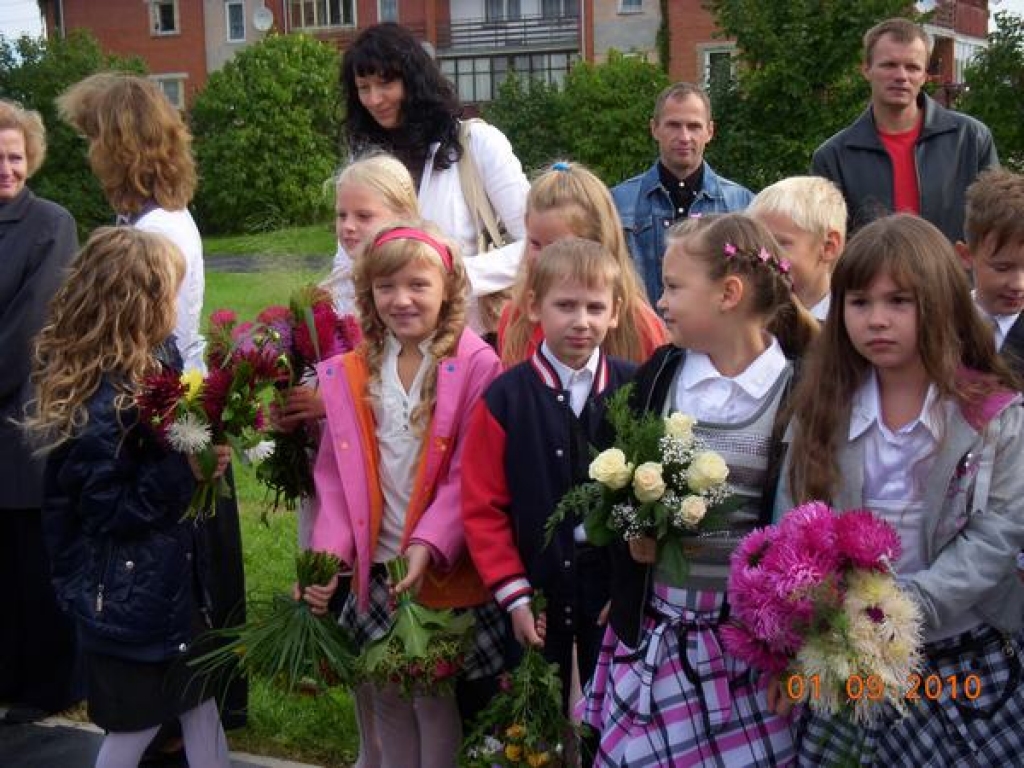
(646, 211)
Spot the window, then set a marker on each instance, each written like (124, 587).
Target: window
(478, 78)
(717, 65)
(502, 10)
(173, 87)
(163, 17)
(631, 6)
(305, 14)
(553, 9)
(387, 10)
(235, 10)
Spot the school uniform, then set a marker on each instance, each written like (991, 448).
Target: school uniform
(665, 692)
(960, 520)
(531, 438)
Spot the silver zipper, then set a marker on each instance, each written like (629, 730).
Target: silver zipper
(99, 599)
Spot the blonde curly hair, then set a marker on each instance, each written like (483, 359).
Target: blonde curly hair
(382, 260)
(115, 307)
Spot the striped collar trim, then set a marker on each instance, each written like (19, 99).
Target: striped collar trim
(548, 374)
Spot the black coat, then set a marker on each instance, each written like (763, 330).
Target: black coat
(37, 241)
(125, 565)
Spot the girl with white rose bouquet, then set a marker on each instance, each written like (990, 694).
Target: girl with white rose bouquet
(706, 409)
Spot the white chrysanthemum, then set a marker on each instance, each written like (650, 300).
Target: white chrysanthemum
(259, 452)
(189, 434)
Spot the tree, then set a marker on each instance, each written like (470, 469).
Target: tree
(600, 118)
(995, 82)
(797, 82)
(34, 71)
(266, 128)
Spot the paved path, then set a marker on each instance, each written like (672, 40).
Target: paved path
(257, 263)
(60, 743)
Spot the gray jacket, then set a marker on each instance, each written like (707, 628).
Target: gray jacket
(974, 534)
(37, 241)
(951, 151)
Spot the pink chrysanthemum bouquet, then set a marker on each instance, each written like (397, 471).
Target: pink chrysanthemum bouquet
(815, 600)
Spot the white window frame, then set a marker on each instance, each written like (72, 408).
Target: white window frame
(240, 4)
(172, 77)
(154, 18)
(325, 23)
(704, 53)
(381, 16)
(627, 7)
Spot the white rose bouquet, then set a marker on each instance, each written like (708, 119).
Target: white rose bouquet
(658, 481)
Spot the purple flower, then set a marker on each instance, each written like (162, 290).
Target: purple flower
(746, 647)
(867, 540)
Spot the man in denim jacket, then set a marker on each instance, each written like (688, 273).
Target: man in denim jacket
(679, 184)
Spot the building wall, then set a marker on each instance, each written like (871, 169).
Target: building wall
(626, 32)
(691, 30)
(220, 50)
(123, 28)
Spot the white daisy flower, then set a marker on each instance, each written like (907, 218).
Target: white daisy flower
(189, 434)
(259, 452)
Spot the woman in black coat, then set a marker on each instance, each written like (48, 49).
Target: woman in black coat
(37, 241)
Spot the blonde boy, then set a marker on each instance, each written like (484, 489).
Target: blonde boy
(994, 252)
(807, 215)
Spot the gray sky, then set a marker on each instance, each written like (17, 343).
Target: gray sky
(22, 16)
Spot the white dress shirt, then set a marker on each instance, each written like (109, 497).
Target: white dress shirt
(578, 382)
(399, 444)
(704, 393)
(820, 310)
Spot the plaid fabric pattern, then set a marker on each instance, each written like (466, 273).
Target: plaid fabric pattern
(484, 659)
(678, 699)
(940, 731)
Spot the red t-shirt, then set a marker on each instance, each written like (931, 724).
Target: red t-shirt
(906, 197)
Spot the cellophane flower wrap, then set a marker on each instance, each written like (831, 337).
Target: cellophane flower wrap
(286, 643)
(424, 649)
(814, 600)
(309, 330)
(523, 726)
(658, 480)
(194, 412)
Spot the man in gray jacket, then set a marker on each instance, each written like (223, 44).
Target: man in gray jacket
(905, 153)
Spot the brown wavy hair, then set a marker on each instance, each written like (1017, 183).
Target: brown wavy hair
(769, 288)
(115, 307)
(588, 208)
(378, 261)
(951, 336)
(139, 146)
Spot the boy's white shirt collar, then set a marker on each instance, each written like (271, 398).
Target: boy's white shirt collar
(820, 310)
(759, 377)
(1003, 322)
(565, 373)
(866, 410)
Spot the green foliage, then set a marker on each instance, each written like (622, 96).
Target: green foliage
(600, 118)
(34, 71)
(798, 82)
(265, 128)
(995, 81)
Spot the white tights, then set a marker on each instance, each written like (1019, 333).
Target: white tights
(422, 732)
(206, 746)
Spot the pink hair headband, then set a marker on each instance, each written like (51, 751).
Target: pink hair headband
(409, 233)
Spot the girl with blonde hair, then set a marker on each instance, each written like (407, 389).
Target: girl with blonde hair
(126, 567)
(388, 472)
(569, 200)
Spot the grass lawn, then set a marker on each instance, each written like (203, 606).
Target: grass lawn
(313, 239)
(317, 730)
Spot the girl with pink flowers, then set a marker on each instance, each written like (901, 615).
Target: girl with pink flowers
(906, 409)
(665, 691)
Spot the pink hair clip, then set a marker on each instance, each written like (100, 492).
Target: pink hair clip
(784, 266)
(764, 255)
(730, 250)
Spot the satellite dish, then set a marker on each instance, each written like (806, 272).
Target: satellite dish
(262, 19)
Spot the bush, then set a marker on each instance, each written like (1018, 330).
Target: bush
(265, 130)
(34, 71)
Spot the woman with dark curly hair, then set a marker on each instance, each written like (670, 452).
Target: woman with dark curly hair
(398, 100)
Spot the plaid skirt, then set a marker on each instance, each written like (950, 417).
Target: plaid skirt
(977, 724)
(679, 699)
(484, 660)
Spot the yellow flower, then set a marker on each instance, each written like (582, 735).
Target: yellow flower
(648, 484)
(610, 469)
(514, 752)
(193, 381)
(515, 732)
(538, 759)
(707, 470)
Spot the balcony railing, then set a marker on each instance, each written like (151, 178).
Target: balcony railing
(525, 32)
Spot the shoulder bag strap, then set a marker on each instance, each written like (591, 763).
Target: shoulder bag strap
(473, 189)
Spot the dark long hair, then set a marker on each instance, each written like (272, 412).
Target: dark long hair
(430, 109)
